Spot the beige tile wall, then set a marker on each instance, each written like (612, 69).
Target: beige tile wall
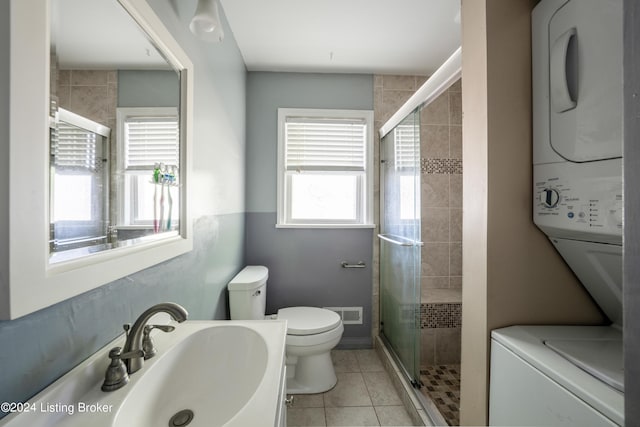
(441, 149)
(441, 184)
(90, 93)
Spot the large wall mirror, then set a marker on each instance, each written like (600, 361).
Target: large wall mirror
(114, 132)
(100, 147)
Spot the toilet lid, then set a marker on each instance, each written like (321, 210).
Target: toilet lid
(308, 320)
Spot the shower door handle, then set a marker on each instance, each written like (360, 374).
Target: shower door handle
(399, 240)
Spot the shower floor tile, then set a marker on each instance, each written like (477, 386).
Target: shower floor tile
(442, 386)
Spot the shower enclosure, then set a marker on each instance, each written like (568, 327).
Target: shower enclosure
(420, 240)
(79, 180)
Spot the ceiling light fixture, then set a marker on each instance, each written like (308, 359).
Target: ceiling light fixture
(206, 24)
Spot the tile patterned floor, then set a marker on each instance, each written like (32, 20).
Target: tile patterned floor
(442, 385)
(364, 396)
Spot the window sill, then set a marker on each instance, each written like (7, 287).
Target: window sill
(326, 225)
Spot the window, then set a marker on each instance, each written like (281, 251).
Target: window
(75, 157)
(148, 140)
(325, 174)
(406, 143)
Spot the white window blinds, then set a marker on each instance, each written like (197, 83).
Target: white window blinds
(74, 147)
(151, 140)
(330, 144)
(405, 144)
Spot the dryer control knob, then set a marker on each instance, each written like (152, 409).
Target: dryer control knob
(550, 197)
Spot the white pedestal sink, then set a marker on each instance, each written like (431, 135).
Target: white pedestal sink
(206, 373)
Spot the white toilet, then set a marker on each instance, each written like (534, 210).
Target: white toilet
(311, 332)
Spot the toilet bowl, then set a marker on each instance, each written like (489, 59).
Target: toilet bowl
(312, 332)
(311, 335)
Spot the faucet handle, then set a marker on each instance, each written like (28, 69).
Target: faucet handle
(163, 328)
(116, 375)
(147, 342)
(126, 328)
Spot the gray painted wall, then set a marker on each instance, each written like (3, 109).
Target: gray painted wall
(144, 88)
(266, 92)
(304, 269)
(38, 348)
(632, 212)
(304, 264)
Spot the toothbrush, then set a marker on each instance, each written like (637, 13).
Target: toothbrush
(156, 176)
(155, 208)
(162, 182)
(170, 207)
(172, 177)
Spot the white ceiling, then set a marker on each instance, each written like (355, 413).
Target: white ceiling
(110, 41)
(344, 36)
(350, 36)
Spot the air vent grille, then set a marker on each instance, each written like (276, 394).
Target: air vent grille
(349, 315)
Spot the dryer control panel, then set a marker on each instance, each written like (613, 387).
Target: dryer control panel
(579, 201)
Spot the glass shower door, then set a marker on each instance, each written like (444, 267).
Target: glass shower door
(400, 244)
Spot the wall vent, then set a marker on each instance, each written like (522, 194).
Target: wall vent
(349, 315)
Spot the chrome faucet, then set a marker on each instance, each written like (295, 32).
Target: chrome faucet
(134, 343)
(139, 345)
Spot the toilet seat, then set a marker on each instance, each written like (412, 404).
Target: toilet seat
(316, 339)
(304, 321)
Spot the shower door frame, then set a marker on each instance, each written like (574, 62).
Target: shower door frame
(412, 242)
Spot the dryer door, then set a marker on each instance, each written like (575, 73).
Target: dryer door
(585, 80)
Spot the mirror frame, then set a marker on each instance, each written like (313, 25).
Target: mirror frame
(33, 283)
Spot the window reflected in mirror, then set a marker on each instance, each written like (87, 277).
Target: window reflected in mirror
(114, 133)
(149, 156)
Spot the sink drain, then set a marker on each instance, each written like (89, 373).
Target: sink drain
(181, 418)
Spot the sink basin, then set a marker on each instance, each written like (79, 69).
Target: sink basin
(213, 373)
(206, 373)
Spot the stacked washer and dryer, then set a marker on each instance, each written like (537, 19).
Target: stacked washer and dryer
(572, 375)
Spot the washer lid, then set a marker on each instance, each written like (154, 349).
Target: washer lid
(308, 320)
(601, 358)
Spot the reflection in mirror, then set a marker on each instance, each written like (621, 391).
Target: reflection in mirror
(114, 133)
(79, 180)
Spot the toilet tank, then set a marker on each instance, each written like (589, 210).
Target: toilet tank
(248, 293)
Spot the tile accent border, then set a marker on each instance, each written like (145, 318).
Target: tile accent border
(441, 166)
(440, 315)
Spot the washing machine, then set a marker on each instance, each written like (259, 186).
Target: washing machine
(572, 375)
(556, 376)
